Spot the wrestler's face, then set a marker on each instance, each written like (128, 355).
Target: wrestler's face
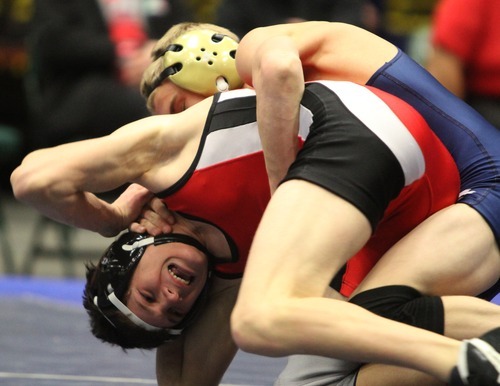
(166, 283)
(171, 99)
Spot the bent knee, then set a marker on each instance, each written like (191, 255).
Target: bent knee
(253, 329)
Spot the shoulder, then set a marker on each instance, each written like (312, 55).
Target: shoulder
(182, 127)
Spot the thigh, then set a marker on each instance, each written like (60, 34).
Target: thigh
(312, 370)
(452, 252)
(471, 140)
(306, 234)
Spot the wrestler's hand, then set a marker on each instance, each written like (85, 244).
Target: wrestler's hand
(128, 207)
(155, 218)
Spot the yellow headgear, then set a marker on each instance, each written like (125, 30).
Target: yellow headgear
(202, 61)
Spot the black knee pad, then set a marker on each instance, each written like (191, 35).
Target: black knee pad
(404, 304)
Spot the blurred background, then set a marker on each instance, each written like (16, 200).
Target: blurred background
(70, 69)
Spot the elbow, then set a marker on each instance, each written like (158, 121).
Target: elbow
(281, 67)
(268, 60)
(28, 184)
(20, 184)
(279, 73)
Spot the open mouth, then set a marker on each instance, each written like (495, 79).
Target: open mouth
(180, 275)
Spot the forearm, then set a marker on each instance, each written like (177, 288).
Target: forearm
(61, 182)
(279, 83)
(86, 211)
(63, 202)
(195, 370)
(206, 350)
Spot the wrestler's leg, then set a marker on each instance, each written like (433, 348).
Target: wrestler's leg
(309, 370)
(385, 375)
(306, 234)
(466, 317)
(305, 370)
(452, 252)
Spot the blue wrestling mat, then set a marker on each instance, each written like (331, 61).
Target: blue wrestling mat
(45, 341)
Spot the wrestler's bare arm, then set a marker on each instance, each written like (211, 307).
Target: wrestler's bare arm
(276, 60)
(60, 182)
(205, 351)
(334, 51)
(279, 83)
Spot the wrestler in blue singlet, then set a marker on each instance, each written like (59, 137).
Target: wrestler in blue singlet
(473, 142)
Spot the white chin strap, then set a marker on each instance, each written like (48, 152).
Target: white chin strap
(138, 244)
(133, 317)
(222, 84)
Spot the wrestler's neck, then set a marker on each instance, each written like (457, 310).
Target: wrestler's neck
(209, 235)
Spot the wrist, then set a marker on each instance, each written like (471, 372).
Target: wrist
(111, 222)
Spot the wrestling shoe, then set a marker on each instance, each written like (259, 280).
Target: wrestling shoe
(478, 362)
(493, 338)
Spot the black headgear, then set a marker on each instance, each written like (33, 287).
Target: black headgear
(118, 265)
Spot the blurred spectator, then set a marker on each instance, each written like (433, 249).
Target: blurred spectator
(465, 55)
(15, 16)
(87, 60)
(244, 15)
(203, 10)
(400, 20)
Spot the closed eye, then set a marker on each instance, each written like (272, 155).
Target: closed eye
(148, 297)
(179, 106)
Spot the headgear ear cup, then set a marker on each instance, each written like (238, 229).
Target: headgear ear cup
(203, 62)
